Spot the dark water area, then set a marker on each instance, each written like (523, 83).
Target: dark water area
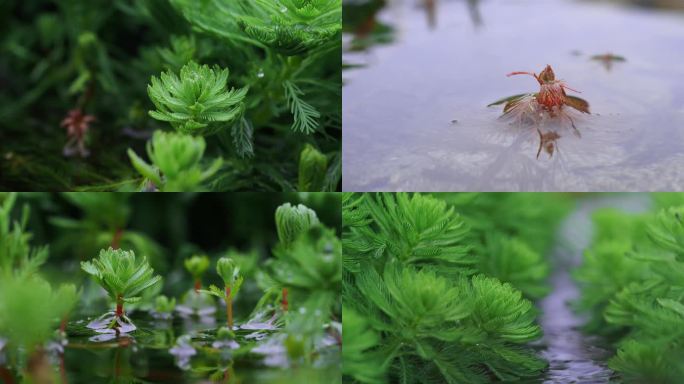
(182, 350)
(420, 74)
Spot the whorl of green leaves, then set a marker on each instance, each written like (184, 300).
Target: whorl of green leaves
(17, 257)
(197, 265)
(229, 272)
(291, 221)
(427, 317)
(502, 312)
(667, 232)
(513, 261)
(176, 160)
(293, 27)
(313, 166)
(121, 274)
(416, 229)
(359, 339)
(196, 102)
(413, 273)
(418, 303)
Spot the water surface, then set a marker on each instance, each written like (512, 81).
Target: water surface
(401, 97)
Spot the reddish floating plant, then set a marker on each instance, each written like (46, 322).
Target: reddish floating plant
(550, 102)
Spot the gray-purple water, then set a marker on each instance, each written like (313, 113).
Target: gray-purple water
(400, 98)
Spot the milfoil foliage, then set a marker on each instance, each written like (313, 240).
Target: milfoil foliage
(197, 101)
(294, 26)
(88, 67)
(176, 163)
(418, 283)
(633, 287)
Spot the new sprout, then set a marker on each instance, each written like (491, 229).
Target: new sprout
(123, 276)
(291, 221)
(197, 265)
(232, 280)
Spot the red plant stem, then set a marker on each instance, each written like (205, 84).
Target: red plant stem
(119, 306)
(229, 308)
(116, 240)
(285, 302)
(63, 324)
(198, 285)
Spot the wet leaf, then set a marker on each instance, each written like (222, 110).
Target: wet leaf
(506, 99)
(577, 103)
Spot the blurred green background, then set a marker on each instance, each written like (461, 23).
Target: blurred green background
(166, 228)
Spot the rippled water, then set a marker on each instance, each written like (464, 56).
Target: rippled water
(399, 99)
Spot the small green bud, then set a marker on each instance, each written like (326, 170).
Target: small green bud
(291, 221)
(197, 265)
(313, 166)
(228, 270)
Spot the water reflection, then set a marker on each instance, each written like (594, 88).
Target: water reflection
(607, 60)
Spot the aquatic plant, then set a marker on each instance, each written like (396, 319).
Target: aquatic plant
(96, 74)
(414, 274)
(30, 310)
(123, 276)
(176, 160)
(280, 24)
(197, 265)
(291, 221)
(313, 166)
(631, 280)
(232, 281)
(549, 104)
(359, 340)
(196, 102)
(17, 257)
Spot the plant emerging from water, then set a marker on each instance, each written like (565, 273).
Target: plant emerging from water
(550, 104)
(124, 277)
(229, 272)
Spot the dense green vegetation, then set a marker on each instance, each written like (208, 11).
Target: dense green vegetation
(632, 283)
(125, 289)
(249, 92)
(438, 288)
